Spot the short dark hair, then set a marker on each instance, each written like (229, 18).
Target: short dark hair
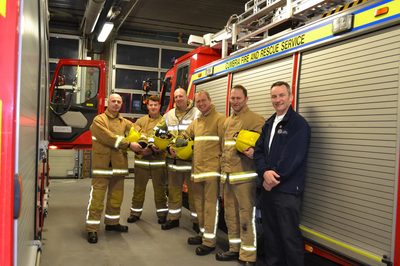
(280, 83)
(153, 98)
(240, 87)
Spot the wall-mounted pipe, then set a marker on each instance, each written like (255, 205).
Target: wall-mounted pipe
(92, 13)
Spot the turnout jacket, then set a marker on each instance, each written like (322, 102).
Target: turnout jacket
(146, 123)
(207, 131)
(176, 121)
(288, 153)
(241, 168)
(109, 157)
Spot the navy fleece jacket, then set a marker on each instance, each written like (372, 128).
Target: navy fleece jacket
(288, 153)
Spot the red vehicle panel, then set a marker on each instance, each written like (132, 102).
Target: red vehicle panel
(9, 17)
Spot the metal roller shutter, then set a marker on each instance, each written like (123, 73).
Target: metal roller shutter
(348, 93)
(217, 89)
(258, 81)
(62, 163)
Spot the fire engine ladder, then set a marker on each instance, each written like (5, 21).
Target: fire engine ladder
(260, 16)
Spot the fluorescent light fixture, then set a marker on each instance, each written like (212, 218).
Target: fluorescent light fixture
(108, 26)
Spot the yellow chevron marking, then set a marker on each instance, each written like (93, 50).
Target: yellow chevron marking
(3, 5)
(353, 4)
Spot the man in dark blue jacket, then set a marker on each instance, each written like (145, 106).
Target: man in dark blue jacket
(280, 156)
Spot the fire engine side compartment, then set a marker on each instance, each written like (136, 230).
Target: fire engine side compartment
(347, 88)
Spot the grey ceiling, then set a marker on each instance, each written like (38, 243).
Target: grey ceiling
(186, 16)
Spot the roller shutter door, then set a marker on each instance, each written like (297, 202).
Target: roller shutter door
(258, 81)
(217, 89)
(348, 93)
(62, 163)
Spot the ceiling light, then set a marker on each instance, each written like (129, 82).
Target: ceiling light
(108, 26)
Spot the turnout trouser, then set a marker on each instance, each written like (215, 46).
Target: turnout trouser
(115, 194)
(206, 201)
(159, 180)
(239, 204)
(178, 172)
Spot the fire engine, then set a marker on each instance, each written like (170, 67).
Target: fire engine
(342, 61)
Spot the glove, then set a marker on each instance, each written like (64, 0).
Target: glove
(143, 144)
(181, 142)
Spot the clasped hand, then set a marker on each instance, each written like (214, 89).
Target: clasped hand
(270, 180)
(135, 147)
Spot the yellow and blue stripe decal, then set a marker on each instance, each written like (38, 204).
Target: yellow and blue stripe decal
(363, 18)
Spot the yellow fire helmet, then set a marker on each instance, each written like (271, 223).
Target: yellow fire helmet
(161, 143)
(186, 152)
(133, 136)
(246, 139)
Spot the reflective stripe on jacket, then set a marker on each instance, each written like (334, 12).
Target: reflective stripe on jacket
(207, 132)
(240, 168)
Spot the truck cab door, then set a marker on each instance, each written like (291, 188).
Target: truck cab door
(76, 97)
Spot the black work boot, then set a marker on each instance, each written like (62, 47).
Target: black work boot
(92, 237)
(162, 220)
(117, 227)
(196, 240)
(133, 218)
(226, 256)
(170, 224)
(204, 250)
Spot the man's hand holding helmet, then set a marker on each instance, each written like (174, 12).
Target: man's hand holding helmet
(245, 142)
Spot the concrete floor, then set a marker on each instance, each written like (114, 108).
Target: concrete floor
(64, 234)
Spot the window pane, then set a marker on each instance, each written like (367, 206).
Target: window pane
(52, 69)
(126, 102)
(137, 55)
(132, 79)
(167, 86)
(182, 78)
(63, 48)
(168, 57)
(132, 104)
(165, 104)
(86, 84)
(90, 77)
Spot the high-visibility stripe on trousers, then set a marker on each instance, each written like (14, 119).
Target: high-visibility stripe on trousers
(176, 177)
(239, 204)
(206, 201)
(159, 180)
(115, 194)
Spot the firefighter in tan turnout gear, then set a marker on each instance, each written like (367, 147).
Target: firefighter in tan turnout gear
(109, 168)
(151, 164)
(239, 176)
(207, 132)
(175, 122)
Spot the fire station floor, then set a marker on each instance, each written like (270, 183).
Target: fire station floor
(64, 235)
